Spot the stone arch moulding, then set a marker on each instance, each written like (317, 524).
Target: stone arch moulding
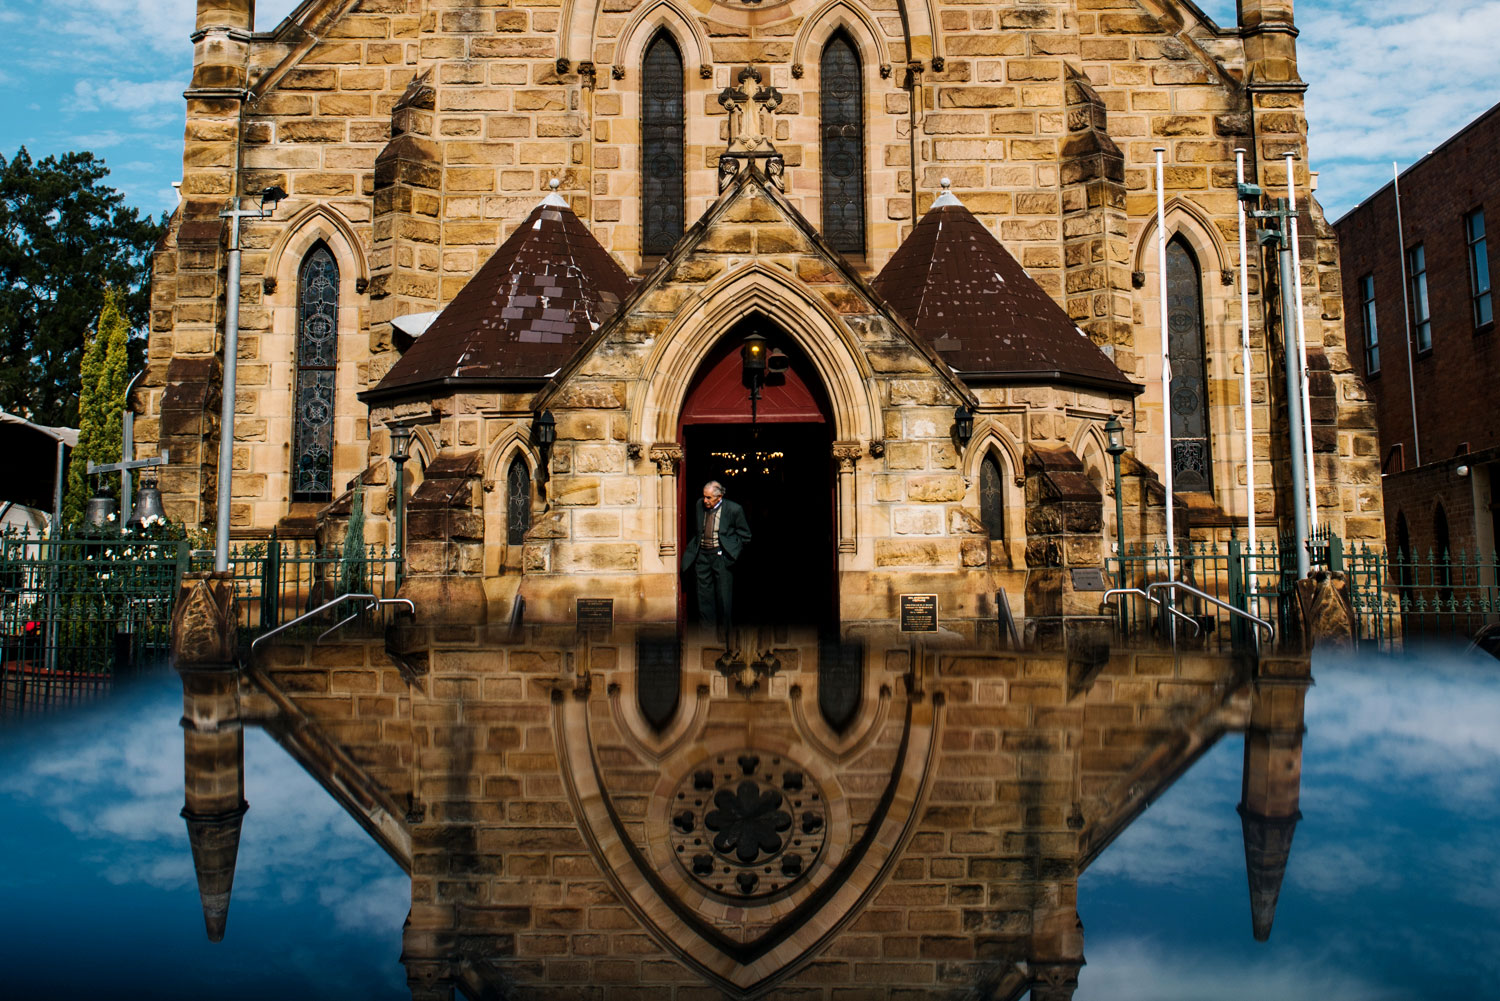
(828, 344)
(1189, 221)
(630, 44)
(821, 26)
(514, 440)
(992, 436)
(314, 223)
(1089, 434)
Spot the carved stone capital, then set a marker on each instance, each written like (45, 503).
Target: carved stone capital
(705, 71)
(588, 73)
(667, 456)
(847, 453)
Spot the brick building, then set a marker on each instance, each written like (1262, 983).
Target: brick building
(416, 138)
(1431, 283)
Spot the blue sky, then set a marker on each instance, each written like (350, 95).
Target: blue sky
(1390, 80)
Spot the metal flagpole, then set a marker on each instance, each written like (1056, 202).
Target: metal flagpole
(1411, 373)
(1166, 360)
(1239, 166)
(1307, 439)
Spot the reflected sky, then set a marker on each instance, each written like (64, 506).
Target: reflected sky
(1392, 890)
(100, 898)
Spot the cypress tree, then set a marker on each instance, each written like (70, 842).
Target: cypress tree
(101, 404)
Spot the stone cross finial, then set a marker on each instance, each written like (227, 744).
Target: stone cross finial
(750, 102)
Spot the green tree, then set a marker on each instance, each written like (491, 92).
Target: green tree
(103, 377)
(65, 236)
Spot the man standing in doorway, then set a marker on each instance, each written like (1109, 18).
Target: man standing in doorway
(722, 534)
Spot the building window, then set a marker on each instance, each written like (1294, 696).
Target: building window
(1421, 309)
(1479, 268)
(517, 502)
(992, 498)
(662, 125)
(317, 354)
(843, 132)
(1372, 332)
(1191, 468)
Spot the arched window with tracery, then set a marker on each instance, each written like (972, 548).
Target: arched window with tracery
(1192, 465)
(317, 356)
(517, 502)
(992, 498)
(662, 131)
(843, 153)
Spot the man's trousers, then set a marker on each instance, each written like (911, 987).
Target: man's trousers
(715, 590)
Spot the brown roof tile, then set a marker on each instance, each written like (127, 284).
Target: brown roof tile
(523, 315)
(974, 303)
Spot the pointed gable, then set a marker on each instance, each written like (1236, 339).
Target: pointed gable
(524, 314)
(973, 302)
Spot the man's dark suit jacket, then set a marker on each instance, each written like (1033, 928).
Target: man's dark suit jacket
(734, 532)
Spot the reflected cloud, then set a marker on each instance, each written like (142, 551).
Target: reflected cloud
(1139, 969)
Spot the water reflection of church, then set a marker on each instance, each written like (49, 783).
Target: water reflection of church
(566, 831)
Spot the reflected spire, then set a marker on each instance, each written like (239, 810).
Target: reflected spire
(214, 786)
(1271, 792)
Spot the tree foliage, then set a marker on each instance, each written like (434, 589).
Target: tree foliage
(65, 236)
(103, 376)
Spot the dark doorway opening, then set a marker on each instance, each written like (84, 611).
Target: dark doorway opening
(779, 469)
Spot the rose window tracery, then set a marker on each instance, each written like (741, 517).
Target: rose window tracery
(748, 824)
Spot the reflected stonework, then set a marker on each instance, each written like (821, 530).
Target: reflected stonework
(558, 837)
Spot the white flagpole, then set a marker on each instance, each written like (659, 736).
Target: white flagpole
(1166, 360)
(1239, 166)
(1307, 439)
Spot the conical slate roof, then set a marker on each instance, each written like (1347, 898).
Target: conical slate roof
(973, 302)
(524, 314)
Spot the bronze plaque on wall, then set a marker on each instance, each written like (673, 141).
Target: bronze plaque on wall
(1088, 579)
(596, 613)
(919, 613)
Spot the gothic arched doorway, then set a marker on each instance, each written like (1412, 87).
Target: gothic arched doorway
(779, 468)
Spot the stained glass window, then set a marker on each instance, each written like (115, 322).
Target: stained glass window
(662, 123)
(843, 130)
(517, 502)
(317, 354)
(1191, 466)
(992, 498)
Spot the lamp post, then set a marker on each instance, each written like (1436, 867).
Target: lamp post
(234, 214)
(400, 452)
(1115, 432)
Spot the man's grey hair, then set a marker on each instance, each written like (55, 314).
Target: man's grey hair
(715, 486)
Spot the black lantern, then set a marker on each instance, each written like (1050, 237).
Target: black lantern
(543, 436)
(963, 424)
(271, 196)
(400, 444)
(753, 355)
(1115, 432)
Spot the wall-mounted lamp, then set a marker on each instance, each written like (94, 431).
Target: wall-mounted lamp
(543, 436)
(1114, 431)
(753, 357)
(963, 425)
(1462, 471)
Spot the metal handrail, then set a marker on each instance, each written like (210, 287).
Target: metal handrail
(1197, 626)
(374, 602)
(1195, 592)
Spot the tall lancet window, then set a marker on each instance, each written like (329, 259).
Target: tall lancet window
(662, 123)
(517, 502)
(317, 353)
(1192, 468)
(842, 106)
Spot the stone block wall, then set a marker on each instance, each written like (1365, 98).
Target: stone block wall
(413, 137)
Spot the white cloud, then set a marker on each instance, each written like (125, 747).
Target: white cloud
(1390, 80)
(125, 95)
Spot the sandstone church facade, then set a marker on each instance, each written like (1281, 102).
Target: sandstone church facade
(576, 212)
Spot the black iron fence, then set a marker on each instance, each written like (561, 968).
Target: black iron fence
(276, 581)
(73, 609)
